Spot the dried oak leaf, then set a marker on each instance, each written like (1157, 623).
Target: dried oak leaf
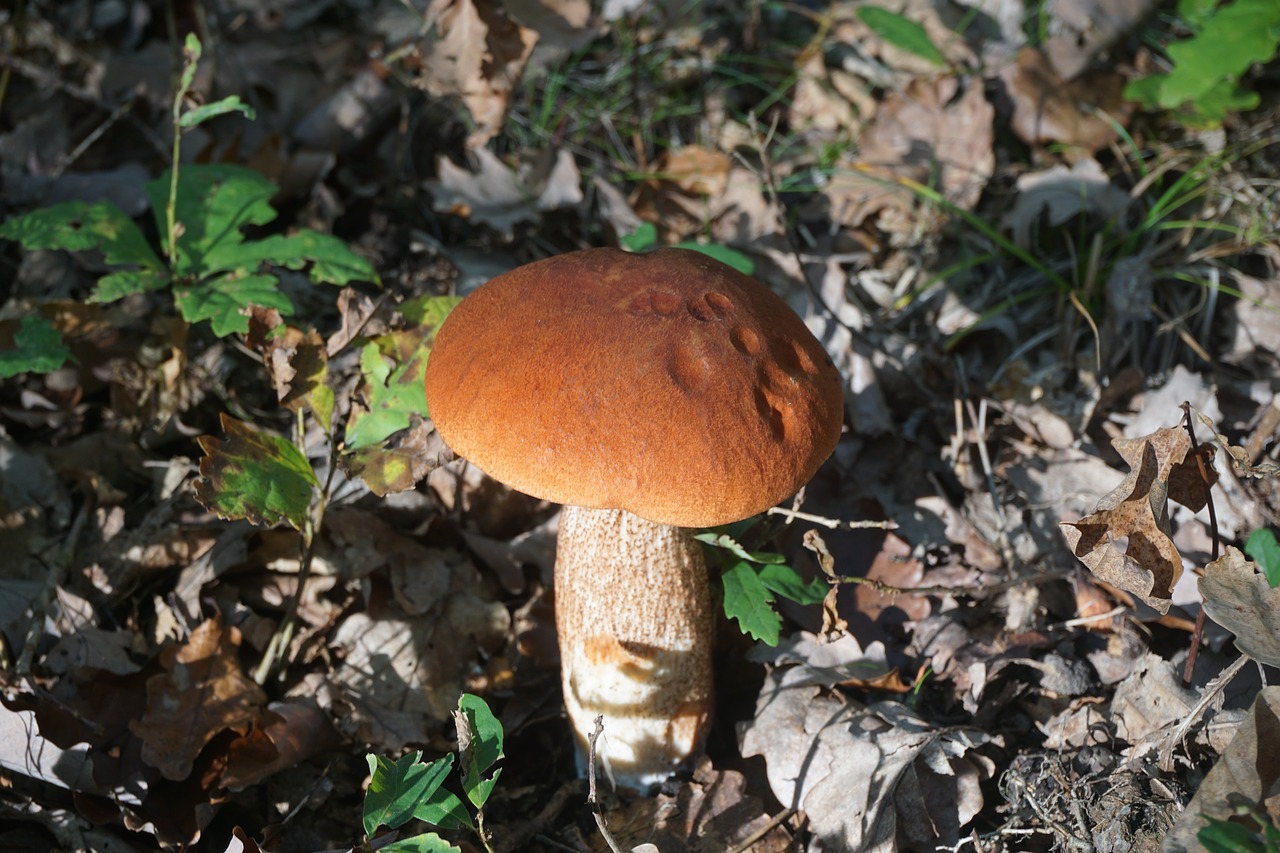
(202, 693)
(476, 53)
(500, 196)
(1162, 468)
(1238, 597)
(297, 362)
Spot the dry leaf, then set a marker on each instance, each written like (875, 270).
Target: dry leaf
(202, 692)
(1247, 773)
(931, 133)
(1239, 598)
(477, 53)
(499, 196)
(1137, 511)
(1085, 28)
(1060, 194)
(1082, 114)
(865, 775)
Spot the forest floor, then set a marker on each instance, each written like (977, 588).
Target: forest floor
(1039, 241)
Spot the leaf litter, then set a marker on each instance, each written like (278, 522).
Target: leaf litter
(987, 680)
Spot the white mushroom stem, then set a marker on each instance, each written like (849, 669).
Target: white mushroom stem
(634, 619)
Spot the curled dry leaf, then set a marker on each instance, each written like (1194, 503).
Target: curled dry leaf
(1163, 469)
(1238, 597)
(297, 362)
(201, 693)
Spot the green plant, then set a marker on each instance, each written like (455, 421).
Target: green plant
(1203, 84)
(1229, 836)
(901, 32)
(646, 237)
(408, 788)
(1263, 547)
(38, 348)
(751, 579)
(200, 211)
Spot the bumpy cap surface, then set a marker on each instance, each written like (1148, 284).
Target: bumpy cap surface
(668, 384)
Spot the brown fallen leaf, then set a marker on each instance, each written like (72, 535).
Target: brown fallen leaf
(500, 196)
(1247, 773)
(1083, 114)
(1137, 511)
(202, 693)
(476, 53)
(1238, 597)
(866, 775)
(933, 133)
(296, 361)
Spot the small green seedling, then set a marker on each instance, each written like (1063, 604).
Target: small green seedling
(38, 348)
(751, 580)
(645, 237)
(1203, 85)
(409, 788)
(1226, 836)
(1263, 548)
(901, 32)
(200, 211)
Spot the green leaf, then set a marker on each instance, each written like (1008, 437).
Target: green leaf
(255, 475)
(901, 32)
(727, 542)
(479, 746)
(397, 788)
(394, 368)
(428, 310)
(445, 810)
(229, 104)
(429, 843)
(39, 349)
(723, 254)
(214, 202)
(748, 600)
(640, 239)
(1224, 836)
(76, 227)
(191, 51)
(222, 301)
(122, 283)
(333, 262)
(1263, 548)
(784, 580)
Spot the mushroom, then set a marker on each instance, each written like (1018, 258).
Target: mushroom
(648, 394)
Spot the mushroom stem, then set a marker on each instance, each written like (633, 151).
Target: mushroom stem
(634, 619)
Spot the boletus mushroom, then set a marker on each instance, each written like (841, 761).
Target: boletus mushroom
(648, 394)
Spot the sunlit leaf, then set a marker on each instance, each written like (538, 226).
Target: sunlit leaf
(254, 475)
(901, 32)
(748, 600)
(201, 114)
(222, 301)
(397, 788)
(394, 368)
(479, 746)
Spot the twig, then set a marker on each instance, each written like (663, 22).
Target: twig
(591, 785)
(1198, 634)
(830, 523)
(760, 833)
(1211, 691)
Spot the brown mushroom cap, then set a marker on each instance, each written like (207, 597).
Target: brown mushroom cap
(668, 384)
